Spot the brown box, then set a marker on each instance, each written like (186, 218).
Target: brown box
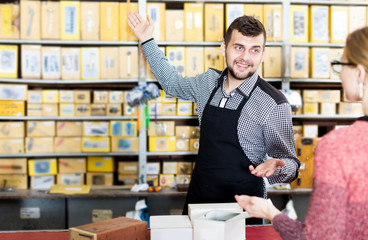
(114, 109)
(50, 20)
(109, 62)
(39, 145)
(116, 228)
(11, 146)
(128, 62)
(100, 96)
(72, 165)
(161, 128)
(98, 109)
(82, 109)
(13, 166)
(30, 18)
(69, 128)
(12, 129)
(82, 96)
(90, 21)
(34, 109)
(128, 179)
(194, 61)
(68, 144)
(40, 128)
(174, 25)
(101, 178)
(50, 109)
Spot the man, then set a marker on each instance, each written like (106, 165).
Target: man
(245, 123)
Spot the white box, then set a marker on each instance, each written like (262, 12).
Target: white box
(198, 210)
(176, 227)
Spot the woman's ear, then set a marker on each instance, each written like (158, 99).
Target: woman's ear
(362, 74)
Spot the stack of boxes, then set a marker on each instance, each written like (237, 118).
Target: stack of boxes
(71, 171)
(42, 173)
(100, 171)
(13, 173)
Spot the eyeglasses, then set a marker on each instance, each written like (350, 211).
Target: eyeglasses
(337, 66)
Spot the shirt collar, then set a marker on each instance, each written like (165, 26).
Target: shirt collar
(245, 88)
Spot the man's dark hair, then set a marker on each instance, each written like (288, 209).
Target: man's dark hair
(248, 26)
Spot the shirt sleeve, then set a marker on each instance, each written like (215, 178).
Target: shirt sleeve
(172, 83)
(279, 143)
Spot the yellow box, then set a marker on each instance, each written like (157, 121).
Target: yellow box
(357, 17)
(9, 62)
(311, 96)
(320, 65)
(183, 179)
(109, 62)
(12, 129)
(123, 128)
(30, 20)
(193, 22)
(82, 109)
(327, 108)
(68, 145)
(11, 145)
(161, 128)
(169, 167)
(335, 55)
(319, 24)
(213, 58)
(13, 166)
(310, 108)
(66, 96)
(214, 22)
(38, 167)
(95, 144)
(50, 20)
(174, 25)
(114, 109)
(166, 98)
(152, 178)
(109, 21)
(168, 109)
(298, 131)
(12, 108)
(124, 144)
(157, 12)
(184, 109)
(185, 167)
(9, 13)
(299, 62)
(254, 10)
(100, 96)
(161, 144)
(90, 64)
(67, 109)
(40, 128)
(126, 33)
(72, 165)
(50, 96)
(100, 164)
(70, 20)
(105, 179)
(167, 180)
(34, 109)
(272, 63)
(90, 21)
(194, 144)
(339, 19)
(50, 109)
(299, 23)
(273, 21)
(128, 167)
(350, 108)
(233, 11)
(128, 60)
(82, 96)
(182, 144)
(194, 61)
(39, 145)
(183, 132)
(331, 96)
(71, 58)
(17, 181)
(70, 179)
(31, 61)
(195, 110)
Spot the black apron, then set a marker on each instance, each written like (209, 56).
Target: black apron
(222, 168)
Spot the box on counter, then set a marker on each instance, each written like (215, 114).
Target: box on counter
(11, 145)
(70, 178)
(42, 182)
(167, 180)
(105, 179)
(128, 167)
(69, 129)
(68, 145)
(100, 164)
(170, 227)
(13, 166)
(116, 228)
(161, 144)
(40, 167)
(153, 168)
(152, 178)
(12, 129)
(17, 181)
(124, 144)
(40, 128)
(128, 179)
(161, 128)
(182, 178)
(39, 145)
(72, 165)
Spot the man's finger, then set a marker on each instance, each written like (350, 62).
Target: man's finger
(139, 17)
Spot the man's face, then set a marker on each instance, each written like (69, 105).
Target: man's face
(243, 55)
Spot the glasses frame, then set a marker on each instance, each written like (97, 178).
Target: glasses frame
(335, 62)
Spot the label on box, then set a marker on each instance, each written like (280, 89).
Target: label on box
(30, 213)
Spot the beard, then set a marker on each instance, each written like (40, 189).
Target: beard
(238, 76)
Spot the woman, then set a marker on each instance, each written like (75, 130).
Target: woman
(338, 207)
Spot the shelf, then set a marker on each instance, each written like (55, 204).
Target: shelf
(289, 191)
(58, 155)
(326, 117)
(64, 42)
(314, 80)
(334, 45)
(220, 1)
(215, 44)
(89, 118)
(315, 2)
(173, 117)
(71, 82)
(266, 79)
(172, 153)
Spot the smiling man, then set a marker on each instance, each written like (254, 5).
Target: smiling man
(245, 123)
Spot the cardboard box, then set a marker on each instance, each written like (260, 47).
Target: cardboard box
(193, 22)
(123, 128)
(176, 57)
(100, 164)
(272, 63)
(90, 21)
(83, 110)
(128, 60)
(38, 167)
(233, 11)
(299, 23)
(12, 129)
(320, 65)
(273, 21)
(184, 109)
(50, 20)
(98, 109)
(182, 144)
(254, 10)
(42, 182)
(72, 165)
(30, 20)
(158, 14)
(128, 167)
(95, 128)
(183, 132)
(95, 144)
(34, 96)
(310, 131)
(329, 96)
(11, 145)
(174, 25)
(299, 62)
(114, 109)
(17, 181)
(116, 97)
(31, 61)
(13, 92)
(176, 227)
(68, 145)
(70, 178)
(9, 14)
(182, 178)
(40, 128)
(51, 62)
(13, 166)
(116, 228)
(167, 180)
(311, 95)
(194, 144)
(90, 65)
(66, 96)
(66, 109)
(357, 17)
(126, 33)
(70, 20)
(327, 108)
(34, 109)
(82, 96)
(71, 59)
(169, 167)
(152, 179)
(109, 21)
(50, 96)
(109, 62)
(213, 58)
(161, 128)
(50, 109)
(194, 61)
(100, 96)
(185, 168)
(105, 179)
(214, 22)
(196, 211)
(298, 131)
(339, 24)
(319, 24)
(351, 108)
(69, 128)
(128, 179)
(124, 144)
(161, 144)
(39, 145)
(12, 108)
(153, 168)
(310, 108)
(9, 61)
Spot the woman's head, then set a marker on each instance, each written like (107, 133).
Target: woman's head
(356, 48)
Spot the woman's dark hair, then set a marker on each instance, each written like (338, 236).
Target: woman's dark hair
(248, 26)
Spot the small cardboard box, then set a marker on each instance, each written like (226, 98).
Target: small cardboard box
(18, 181)
(104, 179)
(128, 167)
(42, 182)
(176, 227)
(39, 145)
(100, 164)
(161, 128)
(13, 166)
(70, 178)
(124, 144)
(113, 229)
(11, 145)
(40, 128)
(72, 165)
(37, 167)
(68, 144)
(12, 129)
(69, 128)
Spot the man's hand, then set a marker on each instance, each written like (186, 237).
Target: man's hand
(143, 30)
(257, 207)
(267, 168)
